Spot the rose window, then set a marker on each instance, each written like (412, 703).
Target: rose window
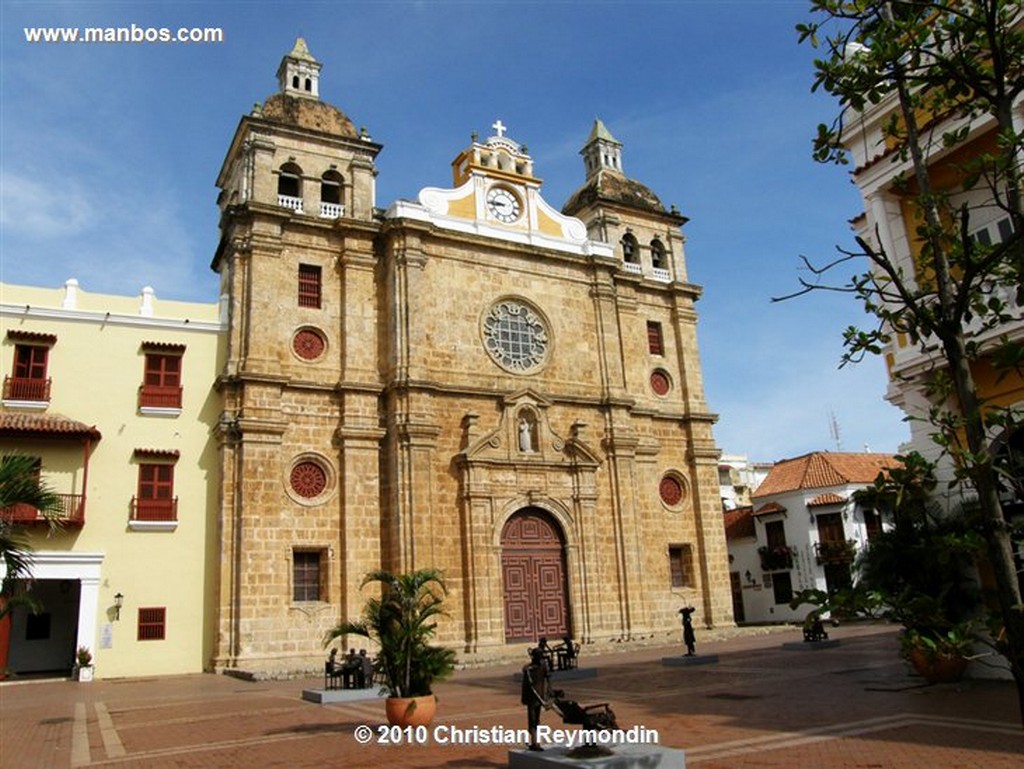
(308, 344)
(515, 336)
(660, 382)
(671, 490)
(308, 480)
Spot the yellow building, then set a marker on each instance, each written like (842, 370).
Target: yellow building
(473, 380)
(115, 398)
(890, 222)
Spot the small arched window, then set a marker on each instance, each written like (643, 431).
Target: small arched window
(330, 187)
(309, 85)
(289, 187)
(289, 182)
(630, 252)
(295, 81)
(658, 260)
(330, 195)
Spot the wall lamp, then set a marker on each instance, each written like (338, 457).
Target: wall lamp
(118, 603)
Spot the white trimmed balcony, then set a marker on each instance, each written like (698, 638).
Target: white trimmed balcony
(331, 210)
(291, 203)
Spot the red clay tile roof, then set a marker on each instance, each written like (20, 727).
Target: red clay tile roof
(164, 347)
(156, 453)
(31, 336)
(739, 523)
(44, 424)
(828, 498)
(771, 507)
(821, 470)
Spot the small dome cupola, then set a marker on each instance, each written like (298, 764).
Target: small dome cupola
(602, 152)
(299, 73)
(606, 181)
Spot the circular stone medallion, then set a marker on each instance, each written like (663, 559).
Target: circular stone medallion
(515, 336)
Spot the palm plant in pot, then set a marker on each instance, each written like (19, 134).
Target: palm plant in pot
(401, 623)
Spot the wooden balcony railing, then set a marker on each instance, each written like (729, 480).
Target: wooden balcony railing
(71, 513)
(154, 509)
(776, 558)
(835, 551)
(25, 389)
(153, 396)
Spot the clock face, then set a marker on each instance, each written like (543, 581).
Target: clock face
(503, 204)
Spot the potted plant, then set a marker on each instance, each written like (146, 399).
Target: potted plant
(83, 664)
(940, 657)
(401, 624)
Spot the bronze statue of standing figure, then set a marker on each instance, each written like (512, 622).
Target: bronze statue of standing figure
(536, 692)
(688, 637)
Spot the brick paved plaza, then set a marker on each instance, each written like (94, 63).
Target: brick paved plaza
(761, 705)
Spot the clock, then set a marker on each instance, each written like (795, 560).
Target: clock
(503, 204)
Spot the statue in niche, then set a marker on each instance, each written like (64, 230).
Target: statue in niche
(526, 434)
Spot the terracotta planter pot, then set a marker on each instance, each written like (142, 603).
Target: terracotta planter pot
(937, 668)
(410, 711)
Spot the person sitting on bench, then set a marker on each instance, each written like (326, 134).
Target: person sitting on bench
(332, 671)
(568, 654)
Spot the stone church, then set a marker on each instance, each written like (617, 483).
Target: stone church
(474, 381)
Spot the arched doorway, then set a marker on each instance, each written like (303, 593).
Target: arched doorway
(534, 577)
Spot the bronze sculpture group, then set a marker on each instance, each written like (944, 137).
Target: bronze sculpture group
(537, 695)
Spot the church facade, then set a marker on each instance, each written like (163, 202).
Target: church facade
(474, 381)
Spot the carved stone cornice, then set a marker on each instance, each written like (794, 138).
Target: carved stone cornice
(354, 436)
(270, 430)
(419, 434)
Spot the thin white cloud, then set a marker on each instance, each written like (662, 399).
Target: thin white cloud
(44, 211)
(114, 235)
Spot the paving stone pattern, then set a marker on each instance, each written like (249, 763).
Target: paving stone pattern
(760, 706)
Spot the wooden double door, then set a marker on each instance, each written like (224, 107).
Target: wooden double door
(534, 577)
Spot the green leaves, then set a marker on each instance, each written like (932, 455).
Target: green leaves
(401, 622)
(20, 485)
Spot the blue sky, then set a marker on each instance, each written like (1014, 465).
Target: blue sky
(110, 153)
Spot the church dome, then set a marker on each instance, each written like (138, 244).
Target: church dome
(613, 188)
(310, 114)
(298, 102)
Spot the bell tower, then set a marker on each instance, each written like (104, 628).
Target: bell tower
(299, 429)
(299, 73)
(602, 152)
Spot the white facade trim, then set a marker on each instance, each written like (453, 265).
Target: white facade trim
(112, 319)
(84, 567)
